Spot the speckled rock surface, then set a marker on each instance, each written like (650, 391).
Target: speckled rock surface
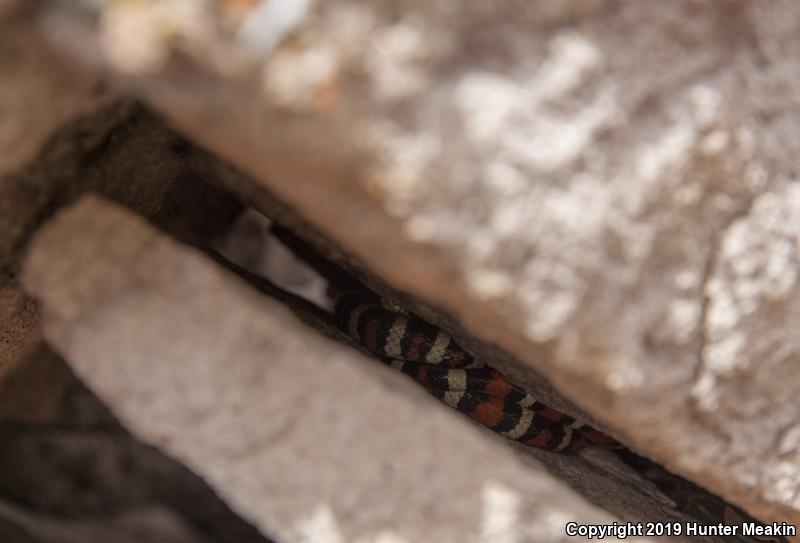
(302, 436)
(608, 191)
(70, 472)
(38, 96)
(63, 131)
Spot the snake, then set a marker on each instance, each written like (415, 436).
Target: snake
(432, 358)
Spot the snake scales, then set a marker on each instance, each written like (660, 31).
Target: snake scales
(432, 358)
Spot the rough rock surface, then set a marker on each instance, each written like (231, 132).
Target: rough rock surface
(39, 95)
(302, 436)
(606, 190)
(65, 463)
(62, 132)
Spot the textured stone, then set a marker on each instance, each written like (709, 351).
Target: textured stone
(39, 95)
(64, 456)
(62, 133)
(604, 190)
(302, 436)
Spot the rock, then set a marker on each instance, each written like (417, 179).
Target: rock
(65, 462)
(302, 436)
(39, 96)
(596, 195)
(605, 191)
(64, 133)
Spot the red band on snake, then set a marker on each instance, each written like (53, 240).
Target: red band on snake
(433, 359)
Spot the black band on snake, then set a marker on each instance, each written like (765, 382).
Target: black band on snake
(432, 358)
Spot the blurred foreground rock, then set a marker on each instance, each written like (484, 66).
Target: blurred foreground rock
(599, 198)
(62, 132)
(606, 191)
(300, 435)
(39, 95)
(70, 472)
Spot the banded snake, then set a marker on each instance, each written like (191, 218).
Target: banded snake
(434, 360)
(431, 357)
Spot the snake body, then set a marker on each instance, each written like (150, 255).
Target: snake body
(433, 359)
